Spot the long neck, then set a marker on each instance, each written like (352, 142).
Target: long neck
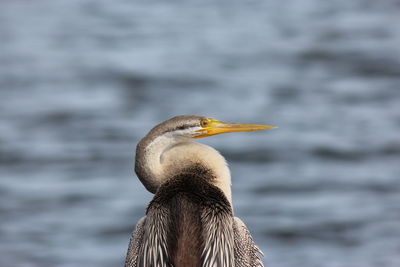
(161, 158)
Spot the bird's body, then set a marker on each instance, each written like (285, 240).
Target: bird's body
(190, 220)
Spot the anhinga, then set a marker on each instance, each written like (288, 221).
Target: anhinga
(190, 221)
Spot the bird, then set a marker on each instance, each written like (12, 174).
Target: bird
(190, 221)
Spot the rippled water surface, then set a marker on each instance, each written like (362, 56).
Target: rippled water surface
(82, 81)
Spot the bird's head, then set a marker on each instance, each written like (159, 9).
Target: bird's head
(189, 127)
(153, 151)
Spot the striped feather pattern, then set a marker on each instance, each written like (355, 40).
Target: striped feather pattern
(153, 250)
(218, 238)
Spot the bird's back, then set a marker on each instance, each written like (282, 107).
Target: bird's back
(189, 223)
(185, 233)
(188, 209)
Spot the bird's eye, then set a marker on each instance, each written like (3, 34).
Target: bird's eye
(204, 123)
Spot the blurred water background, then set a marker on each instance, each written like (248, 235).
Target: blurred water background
(82, 81)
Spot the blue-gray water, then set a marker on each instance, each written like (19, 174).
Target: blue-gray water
(81, 81)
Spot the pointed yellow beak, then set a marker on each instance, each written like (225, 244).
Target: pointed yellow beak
(212, 127)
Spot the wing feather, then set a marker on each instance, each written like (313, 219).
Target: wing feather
(247, 254)
(153, 249)
(218, 238)
(134, 244)
(148, 244)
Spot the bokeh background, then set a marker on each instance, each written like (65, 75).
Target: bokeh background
(81, 81)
